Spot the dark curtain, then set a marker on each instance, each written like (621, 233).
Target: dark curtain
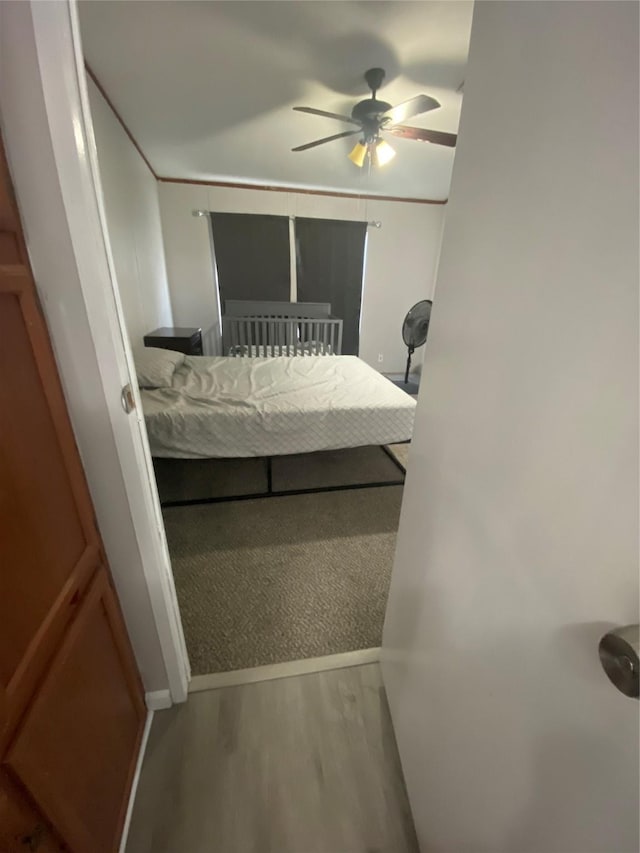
(252, 256)
(330, 264)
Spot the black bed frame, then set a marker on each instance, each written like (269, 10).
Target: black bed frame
(270, 493)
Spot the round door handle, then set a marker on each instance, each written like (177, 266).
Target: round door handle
(618, 651)
(127, 399)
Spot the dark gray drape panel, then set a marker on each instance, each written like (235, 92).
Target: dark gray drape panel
(252, 256)
(330, 262)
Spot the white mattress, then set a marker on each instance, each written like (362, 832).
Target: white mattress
(232, 407)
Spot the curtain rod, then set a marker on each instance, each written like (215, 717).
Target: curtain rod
(375, 223)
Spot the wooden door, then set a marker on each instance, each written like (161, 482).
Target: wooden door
(22, 827)
(71, 702)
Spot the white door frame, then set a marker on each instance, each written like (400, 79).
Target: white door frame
(61, 70)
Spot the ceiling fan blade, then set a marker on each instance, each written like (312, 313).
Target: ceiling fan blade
(326, 139)
(438, 137)
(315, 112)
(413, 107)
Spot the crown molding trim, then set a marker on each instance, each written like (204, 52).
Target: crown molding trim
(102, 91)
(301, 190)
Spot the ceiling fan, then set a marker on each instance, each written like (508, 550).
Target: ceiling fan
(374, 117)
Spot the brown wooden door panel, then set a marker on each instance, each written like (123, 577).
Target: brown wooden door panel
(50, 545)
(76, 749)
(71, 701)
(17, 281)
(39, 524)
(22, 827)
(12, 246)
(14, 698)
(9, 248)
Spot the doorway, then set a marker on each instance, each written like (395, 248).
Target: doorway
(52, 160)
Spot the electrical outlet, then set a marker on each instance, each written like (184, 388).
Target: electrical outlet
(380, 358)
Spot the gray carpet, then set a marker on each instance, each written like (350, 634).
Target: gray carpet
(195, 479)
(271, 580)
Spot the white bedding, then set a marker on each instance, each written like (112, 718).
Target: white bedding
(236, 407)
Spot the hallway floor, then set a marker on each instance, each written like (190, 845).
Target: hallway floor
(299, 765)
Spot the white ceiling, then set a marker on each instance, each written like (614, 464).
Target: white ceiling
(207, 88)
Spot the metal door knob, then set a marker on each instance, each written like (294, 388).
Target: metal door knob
(618, 651)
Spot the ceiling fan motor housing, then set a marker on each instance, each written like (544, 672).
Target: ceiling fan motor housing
(369, 110)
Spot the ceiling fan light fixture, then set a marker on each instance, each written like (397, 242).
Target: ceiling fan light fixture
(383, 152)
(372, 116)
(358, 154)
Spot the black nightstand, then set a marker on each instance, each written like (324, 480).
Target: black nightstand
(188, 341)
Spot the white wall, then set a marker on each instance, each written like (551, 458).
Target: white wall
(518, 540)
(55, 266)
(133, 219)
(400, 264)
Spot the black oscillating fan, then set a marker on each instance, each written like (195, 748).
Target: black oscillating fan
(414, 334)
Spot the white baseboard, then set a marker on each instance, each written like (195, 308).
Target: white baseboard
(158, 700)
(134, 784)
(282, 670)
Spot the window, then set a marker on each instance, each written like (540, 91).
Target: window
(330, 266)
(253, 260)
(252, 256)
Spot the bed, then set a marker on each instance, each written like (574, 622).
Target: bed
(204, 407)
